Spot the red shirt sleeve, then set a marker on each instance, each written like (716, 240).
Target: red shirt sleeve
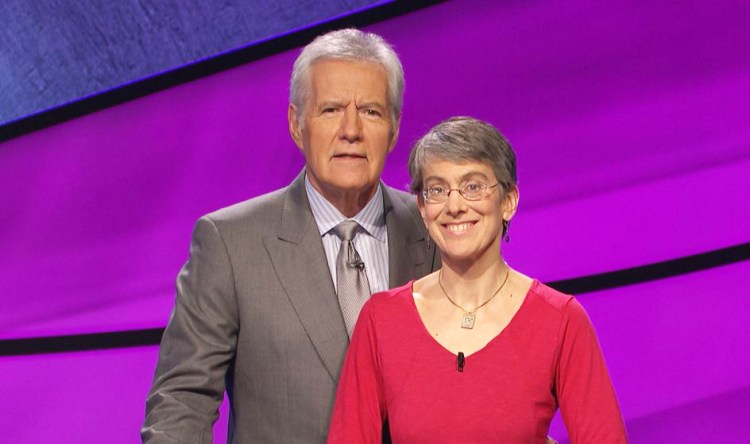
(359, 410)
(584, 390)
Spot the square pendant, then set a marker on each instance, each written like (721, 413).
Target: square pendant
(467, 321)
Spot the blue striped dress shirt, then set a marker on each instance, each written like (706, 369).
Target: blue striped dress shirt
(371, 242)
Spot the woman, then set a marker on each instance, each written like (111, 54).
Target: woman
(475, 352)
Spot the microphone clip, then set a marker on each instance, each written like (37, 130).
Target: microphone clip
(461, 361)
(357, 263)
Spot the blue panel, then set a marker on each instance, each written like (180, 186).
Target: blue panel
(54, 52)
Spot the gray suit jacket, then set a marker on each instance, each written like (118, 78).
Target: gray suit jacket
(256, 309)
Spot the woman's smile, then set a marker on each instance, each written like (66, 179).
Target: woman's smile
(459, 228)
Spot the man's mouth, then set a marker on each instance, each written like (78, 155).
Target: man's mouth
(349, 156)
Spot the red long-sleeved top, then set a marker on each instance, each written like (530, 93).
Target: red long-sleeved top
(548, 355)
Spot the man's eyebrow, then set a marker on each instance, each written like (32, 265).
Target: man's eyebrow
(372, 104)
(329, 102)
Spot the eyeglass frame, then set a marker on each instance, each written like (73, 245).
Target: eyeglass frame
(481, 194)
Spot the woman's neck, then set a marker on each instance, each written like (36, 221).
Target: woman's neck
(471, 285)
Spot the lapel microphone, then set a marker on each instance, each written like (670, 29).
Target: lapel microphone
(356, 263)
(461, 361)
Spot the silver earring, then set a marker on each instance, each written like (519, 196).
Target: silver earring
(506, 230)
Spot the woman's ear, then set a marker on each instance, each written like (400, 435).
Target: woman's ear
(510, 202)
(420, 204)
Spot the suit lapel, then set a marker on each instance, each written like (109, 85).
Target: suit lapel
(407, 250)
(299, 260)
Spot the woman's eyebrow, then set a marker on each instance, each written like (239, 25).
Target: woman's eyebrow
(464, 177)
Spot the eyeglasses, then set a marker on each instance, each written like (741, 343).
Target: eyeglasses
(469, 191)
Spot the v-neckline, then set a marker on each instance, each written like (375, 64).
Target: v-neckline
(494, 339)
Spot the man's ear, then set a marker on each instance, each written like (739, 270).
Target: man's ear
(295, 129)
(394, 136)
(510, 202)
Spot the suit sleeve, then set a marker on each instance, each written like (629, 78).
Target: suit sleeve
(587, 399)
(359, 410)
(197, 347)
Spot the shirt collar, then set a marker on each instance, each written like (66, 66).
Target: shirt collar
(371, 218)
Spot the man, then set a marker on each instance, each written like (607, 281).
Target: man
(257, 302)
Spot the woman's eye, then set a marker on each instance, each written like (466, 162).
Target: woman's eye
(473, 187)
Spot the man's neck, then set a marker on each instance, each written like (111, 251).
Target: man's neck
(349, 203)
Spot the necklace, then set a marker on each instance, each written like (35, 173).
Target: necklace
(467, 320)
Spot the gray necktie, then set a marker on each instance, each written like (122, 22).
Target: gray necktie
(351, 280)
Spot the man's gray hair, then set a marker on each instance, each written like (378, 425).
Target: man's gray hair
(462, 139)
(348, 44)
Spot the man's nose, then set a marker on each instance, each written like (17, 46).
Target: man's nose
(351, 125)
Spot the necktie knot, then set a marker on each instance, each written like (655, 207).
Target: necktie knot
(346, 230)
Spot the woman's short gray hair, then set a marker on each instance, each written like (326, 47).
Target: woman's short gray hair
(461, 139)
(348, 44)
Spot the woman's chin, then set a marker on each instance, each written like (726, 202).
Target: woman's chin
(459, 254)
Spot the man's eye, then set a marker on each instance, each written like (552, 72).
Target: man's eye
(372, 112)
(329, 109)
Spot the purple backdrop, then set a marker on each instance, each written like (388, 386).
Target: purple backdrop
(630, 124)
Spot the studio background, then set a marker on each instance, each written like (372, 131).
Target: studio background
(630, 125)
